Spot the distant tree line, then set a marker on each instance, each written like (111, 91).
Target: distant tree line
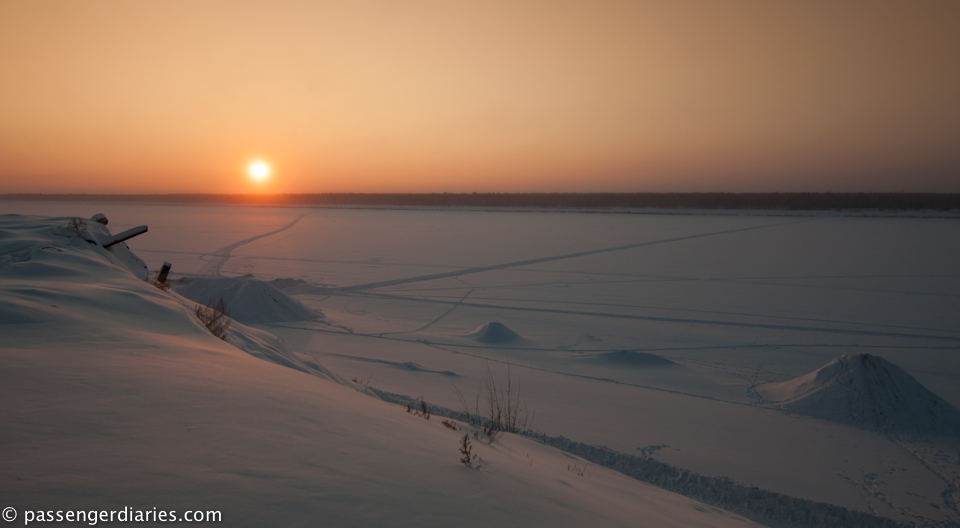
(801, 201)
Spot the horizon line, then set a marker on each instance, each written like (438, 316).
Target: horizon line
(806, 201)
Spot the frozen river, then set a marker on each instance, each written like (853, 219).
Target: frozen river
(641, 332)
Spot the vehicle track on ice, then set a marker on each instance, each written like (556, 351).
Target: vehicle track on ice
(679, 320)
(540, 260)
(222, 255)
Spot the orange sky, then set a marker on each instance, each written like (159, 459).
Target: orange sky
(409, 96)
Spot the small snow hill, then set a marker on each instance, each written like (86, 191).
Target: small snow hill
(868, 392)
(494, 333)
(250, 301)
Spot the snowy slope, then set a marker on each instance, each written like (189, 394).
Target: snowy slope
(114, 395)
(868, 392)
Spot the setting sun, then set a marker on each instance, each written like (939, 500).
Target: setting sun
(259, 171)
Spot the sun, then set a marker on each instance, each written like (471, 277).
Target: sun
(259, 171)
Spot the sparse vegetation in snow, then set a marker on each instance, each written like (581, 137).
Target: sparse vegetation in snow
(77, 225)
(467, 458)
(505, 412)
(215, 317)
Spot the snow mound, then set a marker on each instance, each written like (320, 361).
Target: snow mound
(250, 301)
(868, 392)
(494, 333)
(29, 243)
(631, 358)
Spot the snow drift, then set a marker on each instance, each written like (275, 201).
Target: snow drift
(250, 301)
(81, 281)
(34, 239)
(494, 333)
(868, 392)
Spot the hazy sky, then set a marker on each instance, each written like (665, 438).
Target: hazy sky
(409, 96)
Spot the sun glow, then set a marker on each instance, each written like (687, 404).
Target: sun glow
(259, 171)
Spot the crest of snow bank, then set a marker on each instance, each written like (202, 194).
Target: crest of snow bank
(63, 279)
(250, 301)
(868, 392)
(31, 239)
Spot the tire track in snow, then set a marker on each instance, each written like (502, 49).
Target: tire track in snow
(481, 269)
(766, 326)
(441, 316)
(441, 346)
(221, 255)
(661, 308)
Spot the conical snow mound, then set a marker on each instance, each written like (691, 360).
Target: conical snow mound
(250, 301)
(494, 333)
(867, 392)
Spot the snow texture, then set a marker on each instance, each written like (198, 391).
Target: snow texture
(865, 391)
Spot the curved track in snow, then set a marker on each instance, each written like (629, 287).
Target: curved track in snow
(221, 255)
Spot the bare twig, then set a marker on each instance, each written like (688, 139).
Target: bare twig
(424, 409)
(216, 318)
(467, 457)
(77, 224)
(505, 411)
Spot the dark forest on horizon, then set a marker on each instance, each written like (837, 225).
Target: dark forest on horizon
(806, 201)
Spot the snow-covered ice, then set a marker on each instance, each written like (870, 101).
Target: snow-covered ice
(650, 334)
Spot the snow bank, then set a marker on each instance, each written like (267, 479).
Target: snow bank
(250, 301)
(494, 333)
(868, 392)
(58, 276)
(32, 239)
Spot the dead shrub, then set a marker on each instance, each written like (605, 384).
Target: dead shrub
(421, 410)
(467, 457)
(216, 318)
(505, 412)
(581, 471)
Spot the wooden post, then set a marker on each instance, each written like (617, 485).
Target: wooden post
(162, 276)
